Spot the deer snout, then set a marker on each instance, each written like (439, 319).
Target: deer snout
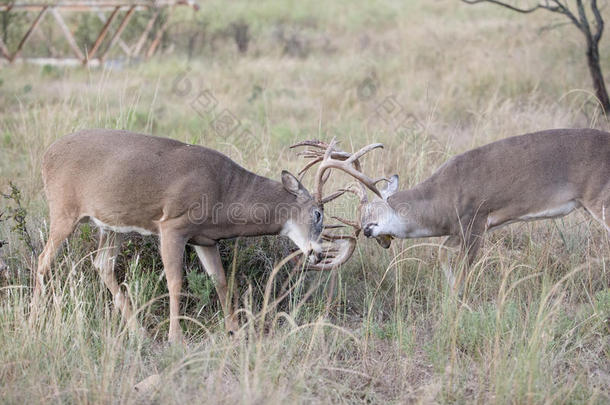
(315, 253)
(368, 229)
(371, 230)
(314, 257)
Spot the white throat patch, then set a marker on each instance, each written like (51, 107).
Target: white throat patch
(391, 224)
(295, 234)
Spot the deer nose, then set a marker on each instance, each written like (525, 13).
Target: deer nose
(315, 257)
(319, 256)
(368, 230)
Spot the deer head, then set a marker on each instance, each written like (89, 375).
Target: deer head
(305, 222)
(377, 218)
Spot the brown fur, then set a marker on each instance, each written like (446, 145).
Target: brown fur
(504, 182)
(183, 193)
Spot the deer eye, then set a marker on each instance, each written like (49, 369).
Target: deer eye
(317, 216)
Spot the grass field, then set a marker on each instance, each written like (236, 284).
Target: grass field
(532, 324)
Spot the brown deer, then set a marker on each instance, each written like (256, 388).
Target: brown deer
(186, 194)
(535, 176)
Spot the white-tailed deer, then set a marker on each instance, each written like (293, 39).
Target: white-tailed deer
(186, 194)
(540, 175)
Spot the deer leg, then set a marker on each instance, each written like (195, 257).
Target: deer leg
(61, 228)
(172, 252)
(600, 210)
(473, 239)
(470, 242)
(107, 251)
(210, 259)
(449, 244)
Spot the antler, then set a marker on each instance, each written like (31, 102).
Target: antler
(331, 158)
(338, 248)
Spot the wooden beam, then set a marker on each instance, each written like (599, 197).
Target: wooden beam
(56, 61)
(155, 42)
(102, 35)
(28, 34)
(142, 40)
(119, 31)
(102, 17)
(124, 47)
(4, 50)
(48, 41)
(98, 5)
(68, 34)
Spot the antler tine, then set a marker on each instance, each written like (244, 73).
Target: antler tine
(333, 196)
(348, 163)
(328, 152)
(346, 247)
(339, 247)
(349, 169)
(321, 179)
(353, 224)
(319, 155)
(359, 192)
(330, 148)
(364, 150)
(334, 158)
(333, 226)
(308, 165)
(335, 154)
(316, 143)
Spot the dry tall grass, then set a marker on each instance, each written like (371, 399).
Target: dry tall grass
(531, 325)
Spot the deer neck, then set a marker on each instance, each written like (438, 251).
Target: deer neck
(422, 213)
(256, 206)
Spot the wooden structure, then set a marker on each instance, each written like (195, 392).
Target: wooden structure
(94, 55)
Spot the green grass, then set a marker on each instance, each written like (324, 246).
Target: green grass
(532, 323)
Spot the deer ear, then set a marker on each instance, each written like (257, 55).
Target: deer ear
(293, 185)
(391, 188)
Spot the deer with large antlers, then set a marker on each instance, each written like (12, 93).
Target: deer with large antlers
(535, 176)
(186, 194)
